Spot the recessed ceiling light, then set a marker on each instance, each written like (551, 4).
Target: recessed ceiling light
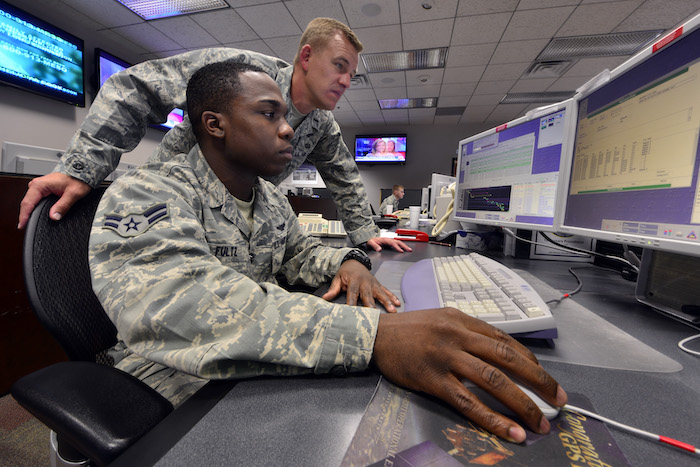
(154, 9)
(407, 60)
(413, 103)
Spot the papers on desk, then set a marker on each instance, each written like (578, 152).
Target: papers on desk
(400, 427)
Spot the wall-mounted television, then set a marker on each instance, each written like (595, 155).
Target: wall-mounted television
(107, 64)
(380, 149)
(38, 57)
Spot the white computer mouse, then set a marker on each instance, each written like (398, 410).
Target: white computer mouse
(549, 411)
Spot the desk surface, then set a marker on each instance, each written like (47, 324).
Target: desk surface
(311, 420)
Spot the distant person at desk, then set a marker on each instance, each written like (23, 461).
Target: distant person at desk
(326, 61)
(193, 294)
(397, 194)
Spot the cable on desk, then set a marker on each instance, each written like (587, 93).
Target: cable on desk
(682, 346)
(569, 294)
(592, 253)
(637, 431)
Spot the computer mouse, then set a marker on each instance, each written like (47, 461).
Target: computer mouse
(549, 411)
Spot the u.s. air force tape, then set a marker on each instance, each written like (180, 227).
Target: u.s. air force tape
(135, 224)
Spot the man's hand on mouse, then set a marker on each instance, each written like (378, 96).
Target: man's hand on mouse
(434, 350)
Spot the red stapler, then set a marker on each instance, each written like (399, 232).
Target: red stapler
(411, 235)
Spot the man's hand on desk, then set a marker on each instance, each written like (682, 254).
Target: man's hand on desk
(377, 242)
(434, 350)
(68, 188)
(356, 280)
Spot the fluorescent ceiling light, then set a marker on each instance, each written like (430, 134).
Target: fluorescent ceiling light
(413, 103)
(536, 97)
(153, 9)
(602, 45)
(408, 60)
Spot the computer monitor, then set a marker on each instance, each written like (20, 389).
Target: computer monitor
(634, 171)
(438, 182)
(508, 176)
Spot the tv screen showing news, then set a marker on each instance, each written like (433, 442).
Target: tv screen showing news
(380, 149)
(108, 64)
(38, 57)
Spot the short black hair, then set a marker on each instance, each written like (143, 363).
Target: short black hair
(213, 87)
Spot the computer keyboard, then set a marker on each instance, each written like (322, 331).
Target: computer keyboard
(480, 287)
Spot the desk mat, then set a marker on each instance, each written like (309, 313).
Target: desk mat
(584, 337)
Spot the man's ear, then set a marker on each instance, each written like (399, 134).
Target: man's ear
(304, 56)
(212, 124)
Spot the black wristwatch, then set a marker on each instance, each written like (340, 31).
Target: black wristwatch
(360, 256)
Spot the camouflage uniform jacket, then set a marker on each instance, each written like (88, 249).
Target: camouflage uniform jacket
(190, 287)
(147, 92)
(391, 199)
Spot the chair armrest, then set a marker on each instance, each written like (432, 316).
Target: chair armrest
(98, 409)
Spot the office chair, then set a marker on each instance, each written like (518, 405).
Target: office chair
(94, 410)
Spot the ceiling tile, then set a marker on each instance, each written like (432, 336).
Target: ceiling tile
(184, 31)
(518, 51)
(430, 77)
(593, 66)
(447, 119)
(304, 11)
(536, 24)
(240, 3)
(597, 18)
(374, 13)
(348, 120)
(256, 46)
(110, 14)
(481, 29)
(421, 116)
(412, 10)
(477, 113)
(482, 7)
(486, 99)
(284, 47)
(423, 91)
(270, 20)
(506, 112)
(569, 84)
(537, 4)
(391, 93)
(457, 89)
(494, 87)
(387, 80)
(397, 116)
(380, 39)
(148, 37)
(463, 74)
(427, 34)
(355, 95)
(659, 14)
(469, 55)
(226, 26)
(532, 85)
(505, 71)
(365, 105)
(453, 101)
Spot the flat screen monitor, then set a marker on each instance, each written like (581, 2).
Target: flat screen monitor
(438, 185)
(380, 149)
(634, 171)
(107, 65)
(508, 176)
(38, 57)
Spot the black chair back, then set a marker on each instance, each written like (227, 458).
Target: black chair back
(57, 278)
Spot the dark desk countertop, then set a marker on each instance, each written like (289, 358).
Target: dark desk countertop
(311, 420)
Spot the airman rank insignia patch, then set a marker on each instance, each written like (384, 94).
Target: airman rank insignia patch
(136, 224)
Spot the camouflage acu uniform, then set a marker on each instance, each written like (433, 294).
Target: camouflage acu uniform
(147, 92)
(192, 290)
(391, 199)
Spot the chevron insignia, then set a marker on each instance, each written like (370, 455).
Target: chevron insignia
(135, 224)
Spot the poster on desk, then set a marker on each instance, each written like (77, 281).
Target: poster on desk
(400, 428)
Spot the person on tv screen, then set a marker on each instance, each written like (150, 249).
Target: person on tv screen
(326, 60)
(391, 150)
(194, 296)
(378, 148)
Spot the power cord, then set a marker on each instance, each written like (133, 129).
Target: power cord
(682, 346)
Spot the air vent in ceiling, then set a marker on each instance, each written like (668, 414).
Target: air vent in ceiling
(547, 69)
(359, 82)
